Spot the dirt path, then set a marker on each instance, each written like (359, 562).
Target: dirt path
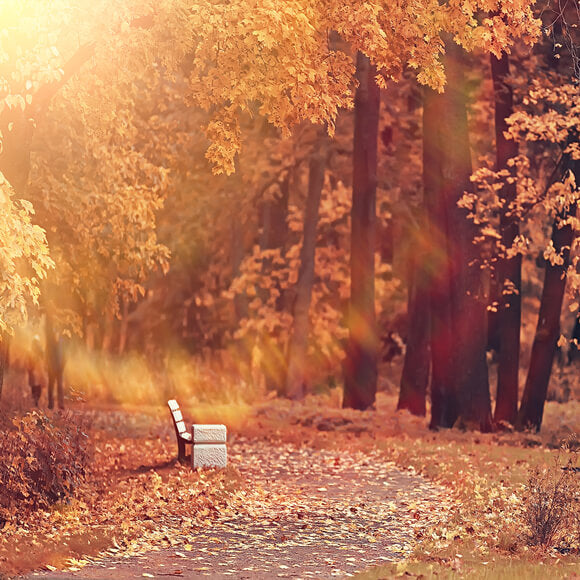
(321, 513)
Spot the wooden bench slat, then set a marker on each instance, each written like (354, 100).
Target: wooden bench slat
(183, 436)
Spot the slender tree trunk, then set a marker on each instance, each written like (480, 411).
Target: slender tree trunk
(509, 270)
(123, 326)
(54, 363)
(460, 388)
(4, 351)
(237, 257)
(17, 131)
(274, 237)
(360, 366)
(274, 213)
(417, 364)
(547, 331)
(90, 334)
(108, 332)
(298, 345)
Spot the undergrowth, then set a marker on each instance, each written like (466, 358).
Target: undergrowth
(45, 460)
(552, 502)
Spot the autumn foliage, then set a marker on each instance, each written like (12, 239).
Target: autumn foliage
(239, 201)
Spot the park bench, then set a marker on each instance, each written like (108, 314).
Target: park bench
(208, 441)
(184, 437)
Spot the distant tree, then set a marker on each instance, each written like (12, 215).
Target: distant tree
(298, 343)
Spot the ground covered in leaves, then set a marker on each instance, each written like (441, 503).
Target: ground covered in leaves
(311, 491)
(305, 513)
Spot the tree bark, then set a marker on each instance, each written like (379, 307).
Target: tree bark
(460, 388)
(296, 380)
(360, 366)
(123, 326)
(417, 364)
(274, 214)
(4, 352)
(444, 403)
(54, 363)
(237, 257)
(548, 329)
(509, 270)
(274, 236)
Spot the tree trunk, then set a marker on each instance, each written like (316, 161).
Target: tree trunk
(509, 270)
(360, 366)
(237, 257)
(4, 351)
(548, 329)
(108, 331)
(298, 345)
(460, 388)
(417, 364)
(16, 128)
(444, 404)
(274, 237)
(123, 326)
(274, 213)
(54, 363)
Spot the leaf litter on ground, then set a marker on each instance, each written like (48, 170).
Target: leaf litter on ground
(298, 478)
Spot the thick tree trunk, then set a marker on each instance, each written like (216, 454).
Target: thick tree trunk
(460, 388)
(509, 270)
(547, 331)
(360, 366)
(417, 364)
(298, 345)
(444, 403)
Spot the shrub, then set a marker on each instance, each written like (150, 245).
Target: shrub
(552, 502)
(44, 460)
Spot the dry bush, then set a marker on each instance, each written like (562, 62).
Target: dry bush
(44, 460)
(552, 502)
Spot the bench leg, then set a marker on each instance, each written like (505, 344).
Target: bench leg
(180, 450)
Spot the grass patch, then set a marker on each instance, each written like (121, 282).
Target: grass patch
(483, 512)
(466, 563)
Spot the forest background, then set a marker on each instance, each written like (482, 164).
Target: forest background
(226, 202)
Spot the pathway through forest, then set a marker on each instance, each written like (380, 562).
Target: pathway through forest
(322, 513)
